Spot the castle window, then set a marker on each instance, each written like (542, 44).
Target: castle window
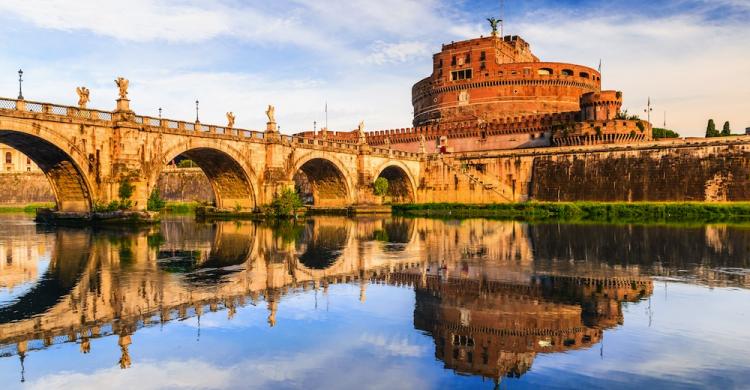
(482, 66)
(584, 75)
(526, 71)
(440, 63)
(482, 56)
(28, 169)
(545, 72)
(461, 75)
(567, 72)
(453, 61)
(440, 73)
(8, 158)
(28, 160)
(468, 58)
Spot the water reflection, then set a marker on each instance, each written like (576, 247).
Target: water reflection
(491, 295)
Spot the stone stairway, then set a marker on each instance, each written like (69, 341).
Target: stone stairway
(487, 182)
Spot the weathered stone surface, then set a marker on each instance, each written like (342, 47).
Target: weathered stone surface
(692, 174)
(87, 154)
(185, 185)
(24, 187)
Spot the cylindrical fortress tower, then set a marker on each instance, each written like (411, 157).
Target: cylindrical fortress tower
(496, 78)
(604, 105)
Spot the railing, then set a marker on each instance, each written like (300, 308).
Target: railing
(181, 126)
(53, 109)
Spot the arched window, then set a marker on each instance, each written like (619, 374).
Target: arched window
(8, 158)
(584, 75)
(567, 72)
(545, 72)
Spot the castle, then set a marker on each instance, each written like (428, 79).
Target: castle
(493, 93)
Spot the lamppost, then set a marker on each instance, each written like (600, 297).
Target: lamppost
(648, 110)
(20, 81)
(159, 112)
(196, 112)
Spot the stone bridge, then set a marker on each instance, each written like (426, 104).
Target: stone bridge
(86, 154)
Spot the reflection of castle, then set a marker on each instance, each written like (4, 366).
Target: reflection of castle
(496, 328)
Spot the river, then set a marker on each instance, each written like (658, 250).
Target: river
(375, 302)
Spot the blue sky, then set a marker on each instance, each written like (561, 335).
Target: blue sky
(362, 56)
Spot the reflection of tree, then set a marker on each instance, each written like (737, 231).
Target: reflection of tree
(395, 231)
(288, 231)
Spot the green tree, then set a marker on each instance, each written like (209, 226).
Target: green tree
(286, 203)
(186, 163)
(711, 129)
(380, 186)
(155, 202)
(726, 131)
(658, 132)
(125, 192)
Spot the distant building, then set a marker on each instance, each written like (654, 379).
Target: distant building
(11, 160)
(747, 130)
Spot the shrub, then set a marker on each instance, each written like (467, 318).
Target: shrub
(126, 189)
(186, 164)
(285, 203)
(155, 201)
(658, 132)
(380, 186)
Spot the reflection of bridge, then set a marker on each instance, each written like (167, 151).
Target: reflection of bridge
(84, 294)
(517, 290)
(86, 154)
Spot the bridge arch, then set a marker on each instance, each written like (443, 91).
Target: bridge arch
(70, 259)
(62, 162)
(232, 180)
(322, 180)
(325, 247)
(401, 183)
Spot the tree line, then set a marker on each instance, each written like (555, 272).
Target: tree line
(711, 130)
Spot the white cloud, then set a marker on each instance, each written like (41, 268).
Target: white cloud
(691, 69)
(383, 52)
(363, 57)
(393, 346)
(311, 368)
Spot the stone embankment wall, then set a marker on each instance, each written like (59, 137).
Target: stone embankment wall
(680, 170)
(189, 184)
(185, 184)
(24, 187)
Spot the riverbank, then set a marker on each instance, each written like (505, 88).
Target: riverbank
(612, 212)
(24, 208)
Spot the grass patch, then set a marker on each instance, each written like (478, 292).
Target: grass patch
(27, 208)
(611, 212)
(181, 207)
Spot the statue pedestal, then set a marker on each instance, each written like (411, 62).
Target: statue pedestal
(271, 127)
(123, 105)
(123, 113)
